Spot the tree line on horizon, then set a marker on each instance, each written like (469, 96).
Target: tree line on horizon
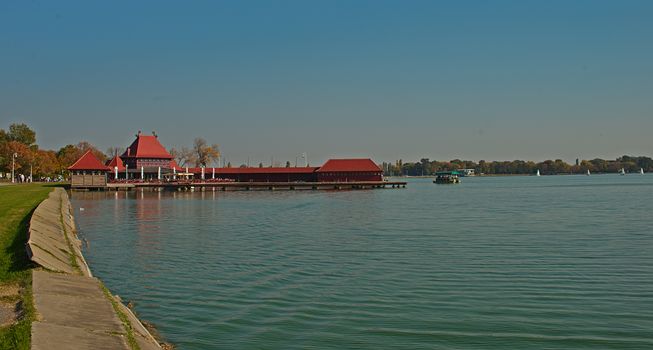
(19, 139)
(427, 167)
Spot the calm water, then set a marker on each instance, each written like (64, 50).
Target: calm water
(560, 262)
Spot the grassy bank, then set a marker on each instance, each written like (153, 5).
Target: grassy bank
(17, 203)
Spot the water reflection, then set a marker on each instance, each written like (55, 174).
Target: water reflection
(495, 263)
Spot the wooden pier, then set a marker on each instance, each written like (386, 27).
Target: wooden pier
(254, 186)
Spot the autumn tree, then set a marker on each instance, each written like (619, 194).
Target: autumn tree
(67, 155)
(19, 140)
(24, 155)
(205, 154)
(46, 163)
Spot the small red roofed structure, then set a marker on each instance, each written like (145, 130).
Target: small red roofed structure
(115, 164)
(347, 170)
(88, 162)
(88, 171)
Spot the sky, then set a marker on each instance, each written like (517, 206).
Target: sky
(492, 80)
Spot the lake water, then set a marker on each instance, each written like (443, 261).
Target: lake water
(551, 262)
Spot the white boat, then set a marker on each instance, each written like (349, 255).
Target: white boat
(588, 172)
(537, 173)
(622, 171)
(641, 171)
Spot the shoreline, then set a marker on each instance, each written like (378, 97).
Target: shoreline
(74, 307)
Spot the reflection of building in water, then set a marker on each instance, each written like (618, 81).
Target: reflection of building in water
(148, 212)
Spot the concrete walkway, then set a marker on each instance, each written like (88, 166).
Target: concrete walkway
(74, 311)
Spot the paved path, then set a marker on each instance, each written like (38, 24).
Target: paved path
(73, 311)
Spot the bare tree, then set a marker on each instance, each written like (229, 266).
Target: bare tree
(113, 151)
(183, 157)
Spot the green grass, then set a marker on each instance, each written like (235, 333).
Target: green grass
(17, 203)
(131, 339)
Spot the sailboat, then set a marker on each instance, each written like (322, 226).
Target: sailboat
(641, 171)
(588, 172)
(538, 172)
(622, 171)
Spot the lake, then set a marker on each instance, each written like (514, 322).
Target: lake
(551, 262)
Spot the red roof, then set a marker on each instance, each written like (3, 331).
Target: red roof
(88, 161)
(115, 162)
(146, 146)
(174, 165)
(349, 165)
(291, 170)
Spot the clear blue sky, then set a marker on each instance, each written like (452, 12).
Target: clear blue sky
(491, 80)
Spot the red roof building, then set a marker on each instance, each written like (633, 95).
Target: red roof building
(115, 162)
(347, 170)
(276, 174)
(334, 170)
(146, 159)
(146, 152)
(88, 162)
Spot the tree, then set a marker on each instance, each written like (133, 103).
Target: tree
(46, 163)
(113, 151)
(67, 155)
(183, 157)
(84, 146)
(205, 154)
(21, 133)
(24, 155)
(426, 166)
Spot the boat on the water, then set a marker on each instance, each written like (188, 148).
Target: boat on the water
(588, 172)
(537, 173)
(641, 171)
(447, 177)
(622, 171)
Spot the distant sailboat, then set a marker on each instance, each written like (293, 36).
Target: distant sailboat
(538, 172)
(588, 172)
(622, 171)
(641, 171)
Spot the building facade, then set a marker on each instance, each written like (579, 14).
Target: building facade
(146, 158)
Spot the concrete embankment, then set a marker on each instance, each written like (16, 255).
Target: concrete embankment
(74, 309)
